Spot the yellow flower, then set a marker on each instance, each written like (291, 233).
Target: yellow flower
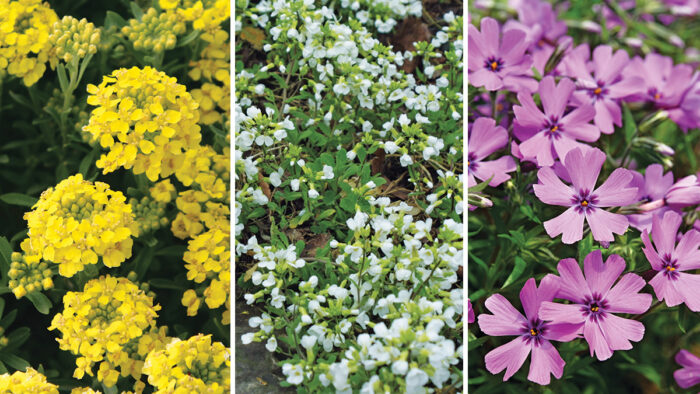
(100, 322)
(193, 366)
(24, 38)
(163, 191)
(146, 120)
(191, 301)
(84, 390)
(208, 259)
(30, 381)
(77, 222)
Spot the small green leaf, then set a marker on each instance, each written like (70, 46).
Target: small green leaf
(517, 271)
(136, 10)
(40, 301)
(476, 343)
(186, 40)
(114, 19)
(585, 246)
(481, 186)
(85, 164)
(629, 126)
(17, 337)
(15, 362)
(18, 199)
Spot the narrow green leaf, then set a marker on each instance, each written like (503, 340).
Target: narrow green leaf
(18, 199)
(85, 164)
(628, 126)
(40, 301)
(114, 19)
(17, 337)
(62, 77)
(15, 362)
(186, 40)
(517, 271)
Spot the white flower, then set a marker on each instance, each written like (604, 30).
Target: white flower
(294, 373)
(308, 341)
(249, 298)
(338, 292)
(405, 160)
(327, 172)
(259, 197)
(277, 298)
(358, 221)
(403, 120)
(259, 88)
(313, 193)
(271, 344)
(399, 367)
(247, 338)
(390, 147)
(351, 155)
(416, 378)
(294, 184)
(276, 177)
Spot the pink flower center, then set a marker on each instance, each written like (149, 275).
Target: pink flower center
(533, 331)
(594, 307)
(670, 266)
(584, 201)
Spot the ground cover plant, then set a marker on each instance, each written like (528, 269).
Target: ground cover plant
(348, 191)
(114, 152)
(583, 187)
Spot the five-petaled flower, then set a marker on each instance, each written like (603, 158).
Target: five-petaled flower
(671, 282)
(583, 200)
(533, 333)
(595, 299)
(484, 139)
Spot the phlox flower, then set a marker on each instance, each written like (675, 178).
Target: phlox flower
(552, 134)
(601, 82)
(689, 375)
(671, 260)
(595, 299)
(534, 335)
(470, 312)
(498, 61)
(484, 139)
(583, 167)
(663, 84)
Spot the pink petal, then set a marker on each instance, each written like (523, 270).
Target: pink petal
(513, 46)
(506, 320)
(664, 230)
(554, 98)
(596, 341)
(689, 287)
(569, 224)
(485, 138)
(687, 377)
(564, 145)
(656, 183)
(584, 167)
(607, 65)
(573, 285)
(577, 118)
(665, 289)
(687, 251)
(551, 190)
(496, 168)
(562, 313)
(528, 298)
(486, 78)
(619, 332)
(564, 332)
(626, 87)
(650, 253)
(545, 360)
(615, 192)
(527, 113)
(624, 297)
(540, 147)
(602, 118)
(600, 277)
(603, 224)
(490, 32)
(510, 357)
(687, 359)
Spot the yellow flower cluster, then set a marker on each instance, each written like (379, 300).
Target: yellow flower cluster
(155, 31)
(196, 212)
(24, 35)
(71, 40)
(84, 390)
(207, 259)
(146, 120)
(28, 272)
(193, 366)
(204, 14)
(96, 323)
(212, 68)
(130, 358)
(30, 381)
(77, 222)
(208, 171)
(149, 215)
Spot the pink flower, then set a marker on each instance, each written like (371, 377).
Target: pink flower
(484, 139)
(583, 200)
(533, 334)
(595, 299)
(651, 187)
(496, 63)
(689, 375)
(602, 83)
(671, 283)
(552, 134)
